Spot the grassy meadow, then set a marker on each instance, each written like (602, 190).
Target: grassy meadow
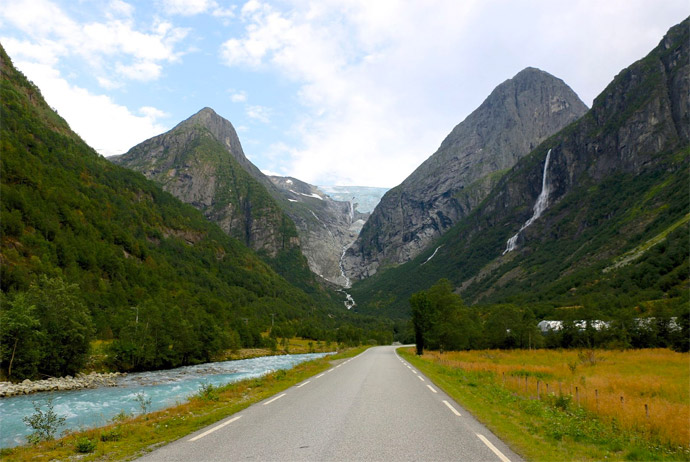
(574, 405)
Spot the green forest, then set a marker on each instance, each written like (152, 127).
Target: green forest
(91, 251)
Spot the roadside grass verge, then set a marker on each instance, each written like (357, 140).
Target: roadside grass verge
(556, 426)
(128, 437)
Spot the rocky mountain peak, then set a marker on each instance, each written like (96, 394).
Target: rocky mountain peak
(519, 114)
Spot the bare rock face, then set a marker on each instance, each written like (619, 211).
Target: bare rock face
(201, 162)
(517, 116)
(326, 227)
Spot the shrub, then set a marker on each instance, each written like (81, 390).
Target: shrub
(114, 434)
(208, 392)
(84, 445)
(44, 424)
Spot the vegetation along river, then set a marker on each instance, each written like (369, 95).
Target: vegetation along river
(95, 407)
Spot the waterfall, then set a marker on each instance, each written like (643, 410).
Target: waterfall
(539, 207)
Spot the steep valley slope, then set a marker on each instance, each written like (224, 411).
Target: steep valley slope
(517, 116)
(613, 232)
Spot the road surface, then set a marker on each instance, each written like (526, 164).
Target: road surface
(369, 408)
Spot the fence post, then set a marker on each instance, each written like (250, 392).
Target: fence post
(646, 411)
(622, 403)
(596, 397)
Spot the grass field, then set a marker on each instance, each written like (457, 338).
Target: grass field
(574, 405)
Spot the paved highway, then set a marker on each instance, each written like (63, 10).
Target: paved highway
(371, 407)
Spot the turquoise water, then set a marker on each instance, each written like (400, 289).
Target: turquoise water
(95, 407)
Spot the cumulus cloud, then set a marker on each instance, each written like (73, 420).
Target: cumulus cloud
(108, 127)
(383, 82)
(113, 48)
(260, 113)
(238, 97)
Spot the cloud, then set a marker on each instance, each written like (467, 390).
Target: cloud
(260, 113)
(108, 127)
(382, 83)
(238, 97)
(112, 49)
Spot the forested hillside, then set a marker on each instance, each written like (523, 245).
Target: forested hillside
(90, 250)
(612, 242)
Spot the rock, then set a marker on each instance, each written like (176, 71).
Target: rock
(515, 118)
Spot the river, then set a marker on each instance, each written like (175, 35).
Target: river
(97, 406)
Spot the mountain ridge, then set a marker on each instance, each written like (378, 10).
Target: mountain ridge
(617, 178)
(517, 115)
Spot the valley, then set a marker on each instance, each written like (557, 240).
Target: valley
(534, 210)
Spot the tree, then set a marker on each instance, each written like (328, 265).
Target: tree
(64, 322)
(420, 318)
(20, 346)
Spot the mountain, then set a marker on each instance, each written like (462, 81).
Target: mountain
(201, 162)
(293, 225)
(518, 115)
(596, 216)
(326, 226)
(89, 249)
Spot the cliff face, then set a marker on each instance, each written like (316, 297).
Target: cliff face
(517, 116)
(326, 227)
(614, 185)
(201, 162)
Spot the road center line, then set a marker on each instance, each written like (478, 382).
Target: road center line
(303, 384)
(217, 427)
(493, 448)
(274, 399)
(431, 388)
(450, 406)
(420, 378)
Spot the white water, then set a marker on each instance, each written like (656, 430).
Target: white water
(432, 256)
(94, 407)
(539, 206)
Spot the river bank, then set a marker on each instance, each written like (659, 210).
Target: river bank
(132, 435)
(81, 381)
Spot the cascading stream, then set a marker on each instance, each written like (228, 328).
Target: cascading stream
(539, 207)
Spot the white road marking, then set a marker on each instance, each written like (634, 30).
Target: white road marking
(431, 388)
(450, 406)
(414, 371)
(217, 427)
(274, 399)
(303, 384)
(493, 448)
(319, 376)
(420, 378)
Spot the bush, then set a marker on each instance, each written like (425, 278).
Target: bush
(114, 434)
(208, 392)
(44, 424)
(84, 445)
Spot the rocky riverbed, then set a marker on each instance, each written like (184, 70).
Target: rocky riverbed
(92, 380)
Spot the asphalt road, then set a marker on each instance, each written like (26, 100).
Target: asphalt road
(368, 408)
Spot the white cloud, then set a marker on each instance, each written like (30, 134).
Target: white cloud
(105, 125)
(238, 97)
(187, 7)
(383, 82)
(260, 113)
(112, 48)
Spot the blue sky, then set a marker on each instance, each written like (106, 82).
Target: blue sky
(348, 92)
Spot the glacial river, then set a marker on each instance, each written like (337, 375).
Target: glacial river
(95, 407)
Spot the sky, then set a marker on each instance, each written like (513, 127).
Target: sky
(333, 92)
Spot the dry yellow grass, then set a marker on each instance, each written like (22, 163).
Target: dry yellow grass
(642, 390)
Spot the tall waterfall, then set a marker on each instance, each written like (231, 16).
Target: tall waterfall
(539, 206)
